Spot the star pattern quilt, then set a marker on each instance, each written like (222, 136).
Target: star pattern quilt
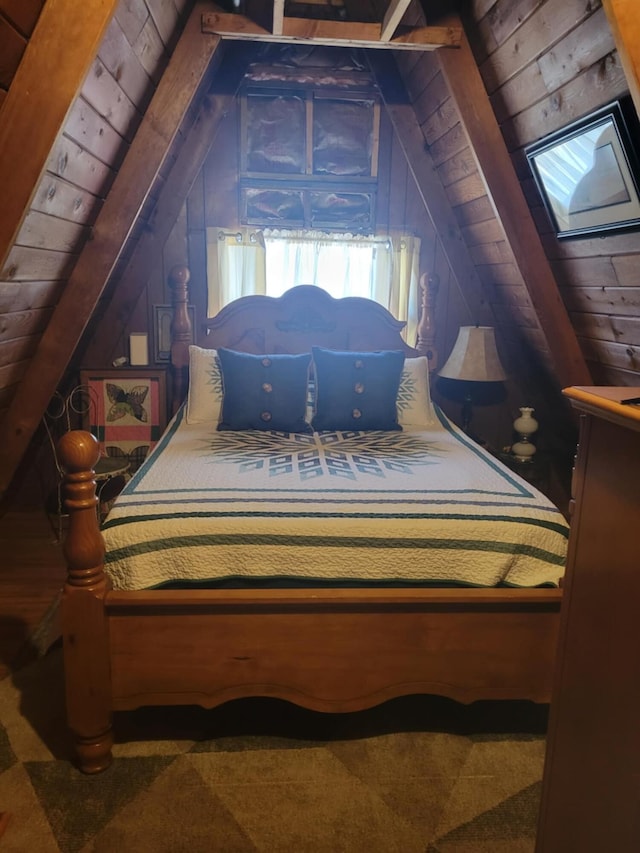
(410, 508)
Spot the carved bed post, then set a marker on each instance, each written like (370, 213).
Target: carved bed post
(181, 335)
(84, 629)
(429, 284)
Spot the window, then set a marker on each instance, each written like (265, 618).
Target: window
(385, 269)
(340, 264)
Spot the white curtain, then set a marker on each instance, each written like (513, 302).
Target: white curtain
(341, 264)
(385, 269)
(235, 266)
(404, 292)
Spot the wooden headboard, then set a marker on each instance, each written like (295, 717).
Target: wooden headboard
(301, 318)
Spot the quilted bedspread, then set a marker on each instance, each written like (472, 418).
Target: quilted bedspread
(365, 508)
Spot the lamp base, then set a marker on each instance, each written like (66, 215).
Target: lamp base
(523, 450)
(466, 413)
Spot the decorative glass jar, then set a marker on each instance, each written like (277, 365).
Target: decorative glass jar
(525, 426)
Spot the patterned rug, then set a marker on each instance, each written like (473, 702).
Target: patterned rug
(419, 774)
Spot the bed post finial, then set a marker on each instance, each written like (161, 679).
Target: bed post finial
(83, 549)
(181, 335)
(84, 631)
(429, 284)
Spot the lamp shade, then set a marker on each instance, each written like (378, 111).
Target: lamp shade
(474, 357)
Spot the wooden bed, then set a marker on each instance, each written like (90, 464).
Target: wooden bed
(336, 650)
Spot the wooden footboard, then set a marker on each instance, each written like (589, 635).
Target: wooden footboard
(329, 650)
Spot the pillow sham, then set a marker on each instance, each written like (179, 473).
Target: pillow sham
(356, 390)
(204, 400)
(414, 398)
(264, 392)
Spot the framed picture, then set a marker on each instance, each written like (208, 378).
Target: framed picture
(588, 174)
(163, 315)
(126, 410)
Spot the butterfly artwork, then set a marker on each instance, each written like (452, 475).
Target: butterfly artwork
(125, 402)
(132, 457)
(126, 411)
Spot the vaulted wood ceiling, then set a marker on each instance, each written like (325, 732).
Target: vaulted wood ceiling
(145, 177)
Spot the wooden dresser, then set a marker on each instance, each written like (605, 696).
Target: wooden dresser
(591, 785)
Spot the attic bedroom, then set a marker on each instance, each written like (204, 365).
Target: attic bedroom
(444, 195)
(453, 125)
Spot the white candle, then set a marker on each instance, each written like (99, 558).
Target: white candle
(138, 348)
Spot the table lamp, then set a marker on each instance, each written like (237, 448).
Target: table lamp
(474, 358)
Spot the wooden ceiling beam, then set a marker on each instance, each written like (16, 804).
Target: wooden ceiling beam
(392, 18)
(334, 33)
(625, 25)
(505, 193)
(148, 152)
(60, 51)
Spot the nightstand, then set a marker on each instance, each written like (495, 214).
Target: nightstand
(536, 471)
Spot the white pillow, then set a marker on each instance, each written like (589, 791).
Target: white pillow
(414, 400)
(204, 401)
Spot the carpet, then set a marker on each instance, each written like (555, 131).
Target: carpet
(417, 774)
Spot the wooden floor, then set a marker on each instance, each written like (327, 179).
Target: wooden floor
(31, 576)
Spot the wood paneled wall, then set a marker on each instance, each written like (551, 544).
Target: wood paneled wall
(78, 175)
(500, 298)
(98, 130)
(544, 65)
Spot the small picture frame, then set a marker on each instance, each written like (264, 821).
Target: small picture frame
(163, 314)
(126, 410)
(588, 174)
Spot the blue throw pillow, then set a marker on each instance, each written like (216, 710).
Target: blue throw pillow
(265, 392)
(356, 390)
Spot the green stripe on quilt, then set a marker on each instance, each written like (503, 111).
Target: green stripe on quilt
(333, 542)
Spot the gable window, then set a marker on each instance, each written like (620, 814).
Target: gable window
(382, 268)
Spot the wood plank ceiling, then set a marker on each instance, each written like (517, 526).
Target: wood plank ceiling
(399, 25)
